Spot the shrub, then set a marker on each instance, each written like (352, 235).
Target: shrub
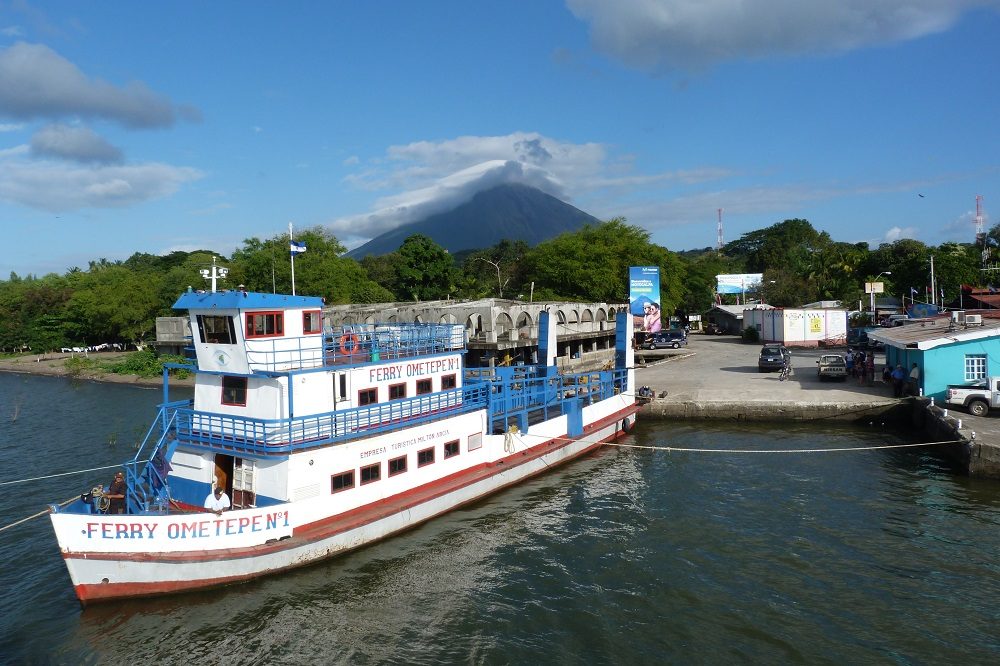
(750, 334)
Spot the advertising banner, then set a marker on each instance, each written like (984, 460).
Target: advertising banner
(738, 284)
(644, 298)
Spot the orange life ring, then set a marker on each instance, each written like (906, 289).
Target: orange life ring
(349, 343)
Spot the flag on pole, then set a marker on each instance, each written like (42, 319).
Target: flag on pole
(295, 247)
(913, 290)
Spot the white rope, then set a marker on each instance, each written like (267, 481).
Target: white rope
(698, 450)
(828, 450)
(52, 476)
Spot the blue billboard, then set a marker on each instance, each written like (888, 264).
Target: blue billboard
(644, 298)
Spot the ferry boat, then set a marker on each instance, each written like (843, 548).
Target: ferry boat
(325, 440)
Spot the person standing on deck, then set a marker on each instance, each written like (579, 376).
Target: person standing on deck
(116, 493)
(217, 501)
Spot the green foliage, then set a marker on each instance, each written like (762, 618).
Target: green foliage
(425, 270)
(751, 335)
(593, 264)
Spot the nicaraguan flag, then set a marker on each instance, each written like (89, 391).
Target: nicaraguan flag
(913, 290)
(296, 247)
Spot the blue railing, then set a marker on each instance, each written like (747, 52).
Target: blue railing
(275, 436)
(146, 473)
(354, 344)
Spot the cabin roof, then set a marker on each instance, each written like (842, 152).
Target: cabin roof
(244, 300)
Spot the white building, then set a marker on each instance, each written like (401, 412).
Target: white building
(799, 327)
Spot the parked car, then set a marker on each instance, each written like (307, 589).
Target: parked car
(978, 397)
(711, 328)
(773, 357)
(665, 339)
(832, 366)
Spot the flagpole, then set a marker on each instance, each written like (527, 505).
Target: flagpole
(292, 255)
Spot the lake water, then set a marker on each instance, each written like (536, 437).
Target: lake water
(626, 556)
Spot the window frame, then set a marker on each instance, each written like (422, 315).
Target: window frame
(349, 474)
(225, 390)
(422, 454)
(397, 389)
(378, 474)
(229, 333)
(393, 473)
(373, 392)
(307, 315)
(425, 386)
(279, 324)
(975, 367)
(458, 448)
(446, 379)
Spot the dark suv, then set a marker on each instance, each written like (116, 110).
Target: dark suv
(665, 339)
(773, 357)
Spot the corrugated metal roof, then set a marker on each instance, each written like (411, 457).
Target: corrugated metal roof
(930, 333)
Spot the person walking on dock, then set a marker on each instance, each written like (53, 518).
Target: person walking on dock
(898, 381)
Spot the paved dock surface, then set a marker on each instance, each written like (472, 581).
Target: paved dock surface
(724, 369)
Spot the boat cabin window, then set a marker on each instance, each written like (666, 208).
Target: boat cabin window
(397, 466)
(425, 457)
(423, 386)
(234, 391)
(342, 481)
(448, 382)
(265, 324)
(397, 391)
(312, 322)
(371, 473)
(216, 330)
(367, 397)
(451, 449)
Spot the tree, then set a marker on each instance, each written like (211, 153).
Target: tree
(425, 270)
(593, 264)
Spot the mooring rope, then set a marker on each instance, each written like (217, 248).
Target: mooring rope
(825, 450)
(53, 476)
(40, 513)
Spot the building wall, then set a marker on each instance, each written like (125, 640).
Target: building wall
(945, 365)
(799, 327)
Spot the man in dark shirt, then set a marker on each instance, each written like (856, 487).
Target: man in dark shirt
(116, 493)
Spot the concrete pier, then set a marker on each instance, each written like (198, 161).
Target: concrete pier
(717, 378)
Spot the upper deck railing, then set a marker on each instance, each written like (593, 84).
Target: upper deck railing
(252, 436)
(354, 344)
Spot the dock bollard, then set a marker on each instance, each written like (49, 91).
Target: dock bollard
(921, 393)
(932, 401)
(945, 414)
(960, 424)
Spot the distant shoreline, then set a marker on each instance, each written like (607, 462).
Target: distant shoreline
(54, 365)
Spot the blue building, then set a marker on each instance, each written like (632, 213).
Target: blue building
(956, 350)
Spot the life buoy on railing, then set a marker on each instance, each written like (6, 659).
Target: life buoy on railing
(349, 343)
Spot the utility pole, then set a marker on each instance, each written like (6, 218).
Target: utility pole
(719, 242)
(933, 286)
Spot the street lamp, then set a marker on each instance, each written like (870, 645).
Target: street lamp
(873, 291)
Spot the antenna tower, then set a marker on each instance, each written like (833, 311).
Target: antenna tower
(719, 242)
(980, 231)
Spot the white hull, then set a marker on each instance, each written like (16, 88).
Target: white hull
(248, 543)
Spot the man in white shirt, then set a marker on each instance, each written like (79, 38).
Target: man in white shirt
(217, 501)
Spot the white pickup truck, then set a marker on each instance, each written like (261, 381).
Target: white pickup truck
(978, 398)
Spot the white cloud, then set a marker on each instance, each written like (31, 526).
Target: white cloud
(896, 233)
(661, 35)
(59, 187)
(36, 82)
(11, 127)
(80, 144)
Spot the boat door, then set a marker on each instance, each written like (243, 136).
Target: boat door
(224, 472)
(244, 477)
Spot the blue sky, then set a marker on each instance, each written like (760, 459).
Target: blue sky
(161, 126)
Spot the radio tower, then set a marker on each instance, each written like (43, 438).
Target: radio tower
(719, 242)
(980, 231)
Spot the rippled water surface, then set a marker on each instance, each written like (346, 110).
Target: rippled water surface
(627, 556)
